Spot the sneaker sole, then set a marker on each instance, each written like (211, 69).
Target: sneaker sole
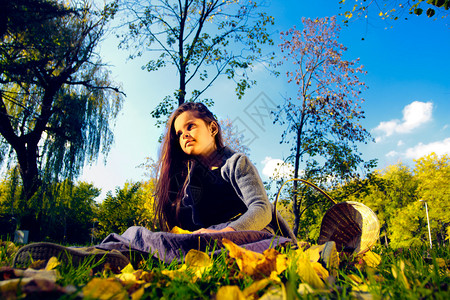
(44, 251)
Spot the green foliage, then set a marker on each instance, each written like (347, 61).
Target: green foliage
(131, 205)
(202, 39)
(57, 102)
(394, 194)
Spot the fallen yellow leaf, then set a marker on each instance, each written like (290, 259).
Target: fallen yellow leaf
(137, 295)
(178, 230)
(255, 287)
(101, 288)
(181, 272)
(371, 259)
(355, 278)
(52, 263)
(304, 288)
(256, 264)
(320, 270)
(314, 252)
(307, 273)
(230, 292)
(197, 261)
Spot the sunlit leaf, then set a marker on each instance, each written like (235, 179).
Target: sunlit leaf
(198, 262)
(230, 292)
(255, 287)
(181, 272)
(137, 295)
(101, 288)
(52, 263)
(320, 270)
(178, 230)
(307, 273)
(256, 264)
(355, 278)
(304, 288)
(371, 259)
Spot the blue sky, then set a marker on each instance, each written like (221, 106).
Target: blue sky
(406, 106)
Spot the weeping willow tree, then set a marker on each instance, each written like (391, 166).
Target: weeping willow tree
(57, 101)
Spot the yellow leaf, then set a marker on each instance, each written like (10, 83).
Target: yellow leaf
(181, 272)
(128, 269)
(197, 261)
(52, 263)
(178, 230)
(314, 252)
(307, 274)
(361, 288)
(441, 262)
(371, 259)
(137, 295)
(100, 288)
(355, 278)
(380, 14)
(128, 275)
(195, 258)
(320, 270)
(304, 288)
(256, 264)
(256, 287)
(230, 292)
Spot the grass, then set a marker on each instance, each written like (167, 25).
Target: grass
(417, 273)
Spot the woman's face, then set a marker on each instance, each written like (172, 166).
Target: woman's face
(194, 135)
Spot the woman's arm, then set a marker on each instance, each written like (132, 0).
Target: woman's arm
(244, 177)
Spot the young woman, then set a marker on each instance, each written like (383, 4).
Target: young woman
(204, 186)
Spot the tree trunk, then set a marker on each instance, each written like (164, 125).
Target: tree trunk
(297, 203)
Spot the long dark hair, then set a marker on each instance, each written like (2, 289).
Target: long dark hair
(174, 162)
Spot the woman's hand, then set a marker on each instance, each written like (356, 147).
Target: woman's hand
(205, 230)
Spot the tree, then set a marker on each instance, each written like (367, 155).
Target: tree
(390, 193)
(203, 39)
(324, 117)
(68, 212)
(57, 102)
(433, 173)
(16, 15)
(131, 206)
(396, 9)
(232, 138)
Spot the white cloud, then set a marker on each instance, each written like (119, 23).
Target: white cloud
(418, 151)
(400, 143)
(392, 154)
(414, 115)
(276, 168)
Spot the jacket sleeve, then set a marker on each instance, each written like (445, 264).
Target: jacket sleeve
(240, 172)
